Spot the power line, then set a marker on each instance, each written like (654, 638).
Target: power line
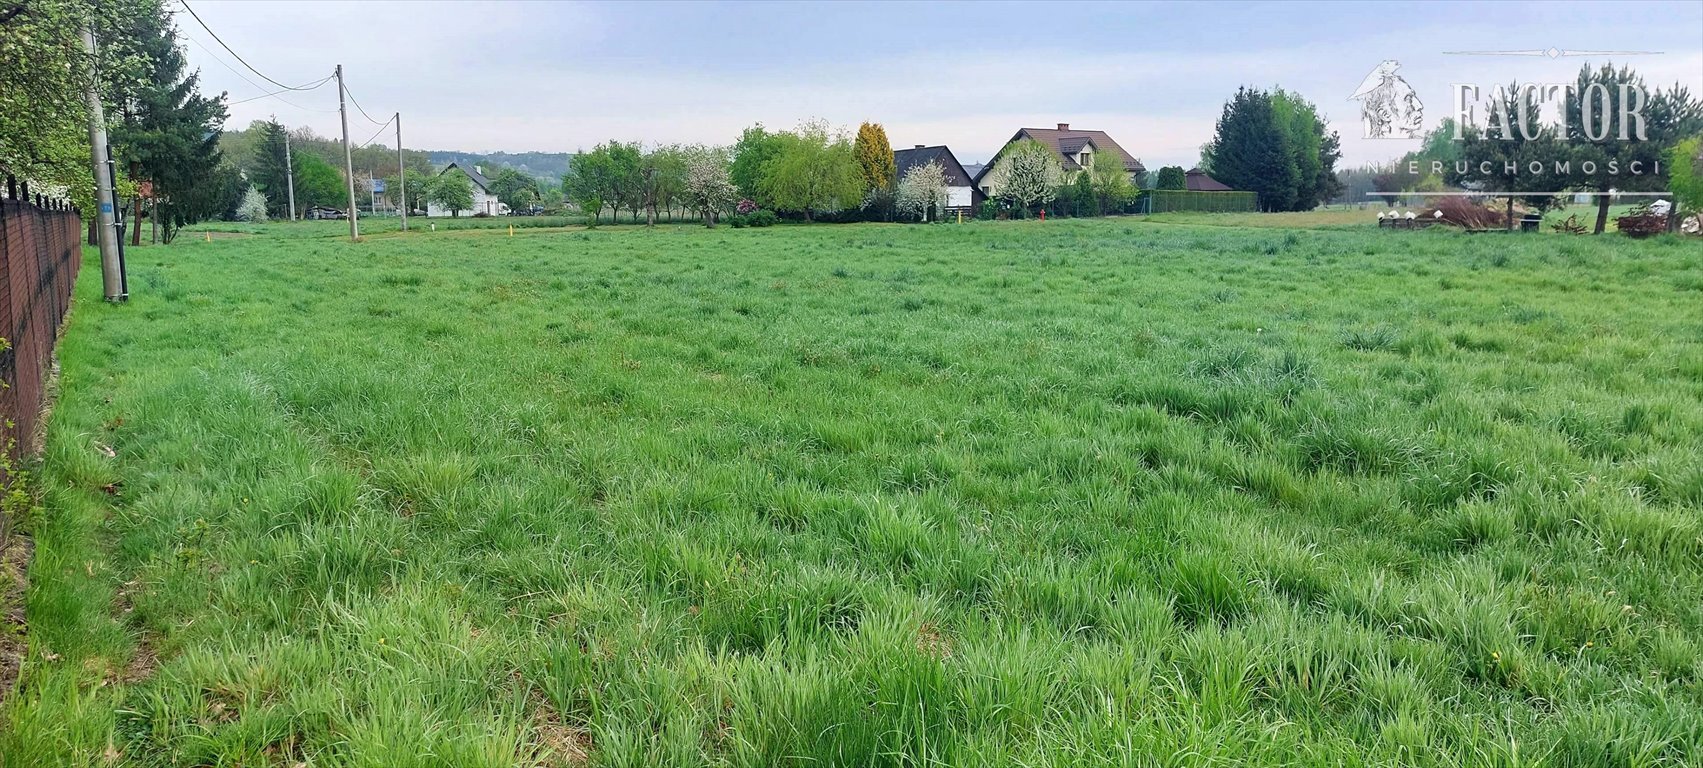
(357, 104)
(232, 52)
(258, 86)
(275, 93)
(377, 132)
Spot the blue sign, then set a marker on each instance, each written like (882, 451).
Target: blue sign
(106, 207)
(378, 185)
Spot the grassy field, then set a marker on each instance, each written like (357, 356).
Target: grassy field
(1021, 493)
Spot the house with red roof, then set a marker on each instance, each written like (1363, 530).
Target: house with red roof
(1077, 150)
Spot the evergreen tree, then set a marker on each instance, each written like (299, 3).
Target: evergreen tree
(1250, 150)
(269, 172)
(167, 132)
(1172, 177)
(1499, 162)
(1610, 137)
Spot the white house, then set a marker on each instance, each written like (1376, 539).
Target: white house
(484, 201)
(961, 192)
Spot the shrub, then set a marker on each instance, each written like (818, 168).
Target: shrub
(988, 211)
(753, 219)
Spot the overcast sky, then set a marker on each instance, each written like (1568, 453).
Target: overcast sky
(558, 76)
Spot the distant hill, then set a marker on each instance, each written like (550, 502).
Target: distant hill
(545, 165)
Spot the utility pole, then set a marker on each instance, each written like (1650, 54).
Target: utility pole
(401, 175)
(348, 160)
(112, 273)
(289, 174)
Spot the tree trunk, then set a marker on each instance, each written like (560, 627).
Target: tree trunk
(650, 216)
(1510, 214)
(1602, 214)
(807, 215)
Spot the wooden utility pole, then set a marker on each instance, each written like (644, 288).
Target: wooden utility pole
(401, 175)
(289, 174)
(348, 159)
(100, 161)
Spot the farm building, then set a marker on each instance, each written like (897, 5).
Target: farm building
(961, 190)
(484, 201)
(1077, 149)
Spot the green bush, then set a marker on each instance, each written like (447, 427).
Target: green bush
(753, 219)
(988, 210)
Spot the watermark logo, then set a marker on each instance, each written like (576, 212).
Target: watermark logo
(1389, 107)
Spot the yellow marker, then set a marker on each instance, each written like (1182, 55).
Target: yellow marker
(511, 230)
(209, 237)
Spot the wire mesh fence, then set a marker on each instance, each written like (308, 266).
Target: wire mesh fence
(40, 251)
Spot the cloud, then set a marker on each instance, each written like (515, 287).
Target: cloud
(561, 76)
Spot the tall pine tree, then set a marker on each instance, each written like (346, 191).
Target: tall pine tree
(1277, 145)
(167, 132)
(1249, 150)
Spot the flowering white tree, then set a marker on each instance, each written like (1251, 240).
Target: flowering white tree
(252, 207)
(923, 187)
(709, 188)
(1027, 174)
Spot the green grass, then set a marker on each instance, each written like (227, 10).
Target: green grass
(1063, 493)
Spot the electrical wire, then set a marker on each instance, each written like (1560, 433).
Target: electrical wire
(246, 79)
(375, 135)
(351, 95)
(275, 93)
(239, 58)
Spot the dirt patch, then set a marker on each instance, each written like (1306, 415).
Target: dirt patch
(555, 742)
(932, 642)
(14, 565)
(145, 661)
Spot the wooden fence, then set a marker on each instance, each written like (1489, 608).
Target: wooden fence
(40, 251)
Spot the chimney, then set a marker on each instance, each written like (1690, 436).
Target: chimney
(919, 146)
(1064, 126)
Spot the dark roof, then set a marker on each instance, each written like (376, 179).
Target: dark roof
(974, 169)
(1196, 180)
(1068, 142)
(1074, 144)
(472, 173)
(906, 159)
